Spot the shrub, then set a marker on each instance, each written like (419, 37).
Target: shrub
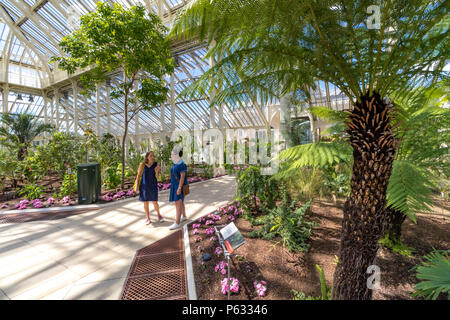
(69, 185)
(112, 178)
(31, 191)
(289, 223)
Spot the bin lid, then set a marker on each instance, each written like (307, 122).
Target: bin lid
(87, 165)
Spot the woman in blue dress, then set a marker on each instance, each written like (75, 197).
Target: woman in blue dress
(148, 186)
(177, 180)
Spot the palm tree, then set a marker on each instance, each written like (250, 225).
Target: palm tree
(19, 130)
(270, 48)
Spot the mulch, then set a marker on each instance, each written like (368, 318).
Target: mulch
(284, 270)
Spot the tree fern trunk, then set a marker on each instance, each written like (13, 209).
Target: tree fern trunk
(365, 216)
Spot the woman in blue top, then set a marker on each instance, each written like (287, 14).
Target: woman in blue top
(148, 187)
(177, 180)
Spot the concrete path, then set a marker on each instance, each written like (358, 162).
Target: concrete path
(88, 256)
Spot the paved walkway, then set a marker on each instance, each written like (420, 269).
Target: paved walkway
(88, 256)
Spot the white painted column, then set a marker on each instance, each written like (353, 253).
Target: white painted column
(44, 94)
(163, 124)
(172, 102)
(5, 96)
(136, 130)
(85, 113)
(75, 107)
(98, 113)
(66, 114)
(212, 110)
(108, 107)
(52, 109)
(57, 106)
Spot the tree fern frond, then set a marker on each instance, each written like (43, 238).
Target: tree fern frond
(317, 154)
(329, 115)
(409, 189)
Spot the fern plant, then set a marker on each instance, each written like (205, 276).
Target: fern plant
(289, 222)
(434, 275)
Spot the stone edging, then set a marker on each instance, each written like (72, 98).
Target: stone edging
(190, 280)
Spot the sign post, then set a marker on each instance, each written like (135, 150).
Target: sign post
(230, 239)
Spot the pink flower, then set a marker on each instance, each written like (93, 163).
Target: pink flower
(216, 217)
(195, 231)
(4, 206)
(231, 218)
(213, 238)
(199, 249)
(37, 203)
(260, 287)
(219, 251)
(130, 193)
(196, 225)
(221, 266)
(209, 222)
(51, 200)
(210, 231)
(65, 200)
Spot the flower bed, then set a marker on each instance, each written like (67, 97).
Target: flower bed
(43, 202)
(211, 277)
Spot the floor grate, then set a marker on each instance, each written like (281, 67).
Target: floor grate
(158, 271)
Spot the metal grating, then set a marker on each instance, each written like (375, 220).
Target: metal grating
(166, 285)
(159, 262)
(158, 271)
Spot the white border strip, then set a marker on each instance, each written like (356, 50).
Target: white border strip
(192, 293)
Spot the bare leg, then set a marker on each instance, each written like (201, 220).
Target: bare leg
(156, 206)
(178, 206)
(147, 213)
(184, 209)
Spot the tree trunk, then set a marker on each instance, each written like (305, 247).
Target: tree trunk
(365, 214)
(394, 227)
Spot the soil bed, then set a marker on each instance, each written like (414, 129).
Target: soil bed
(282, 270)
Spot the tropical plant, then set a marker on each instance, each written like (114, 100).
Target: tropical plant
(112, 178)
(19, 130)
(10, 168)
(31, 191)
(133, 160)
(132, 40)
(324, 289)
(62, 149)
(69, 185)
(434, 275)
(287, 221)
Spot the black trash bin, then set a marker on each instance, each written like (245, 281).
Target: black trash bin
(89, 183)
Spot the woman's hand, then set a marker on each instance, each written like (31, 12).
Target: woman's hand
(178, 191)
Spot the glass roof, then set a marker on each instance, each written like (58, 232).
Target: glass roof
(30, 31)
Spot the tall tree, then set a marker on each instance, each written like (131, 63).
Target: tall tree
(270, 48)
(20, 130)
(113, 38)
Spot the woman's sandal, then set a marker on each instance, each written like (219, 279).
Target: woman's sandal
(147, 222)
(161, 219)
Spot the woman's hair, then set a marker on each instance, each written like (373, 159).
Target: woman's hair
(178, 150)
(146, 156)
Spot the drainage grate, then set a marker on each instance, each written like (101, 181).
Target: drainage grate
(166, 285)
(160, 262)
(158, 271)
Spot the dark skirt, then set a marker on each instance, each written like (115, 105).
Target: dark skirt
(148, 189)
